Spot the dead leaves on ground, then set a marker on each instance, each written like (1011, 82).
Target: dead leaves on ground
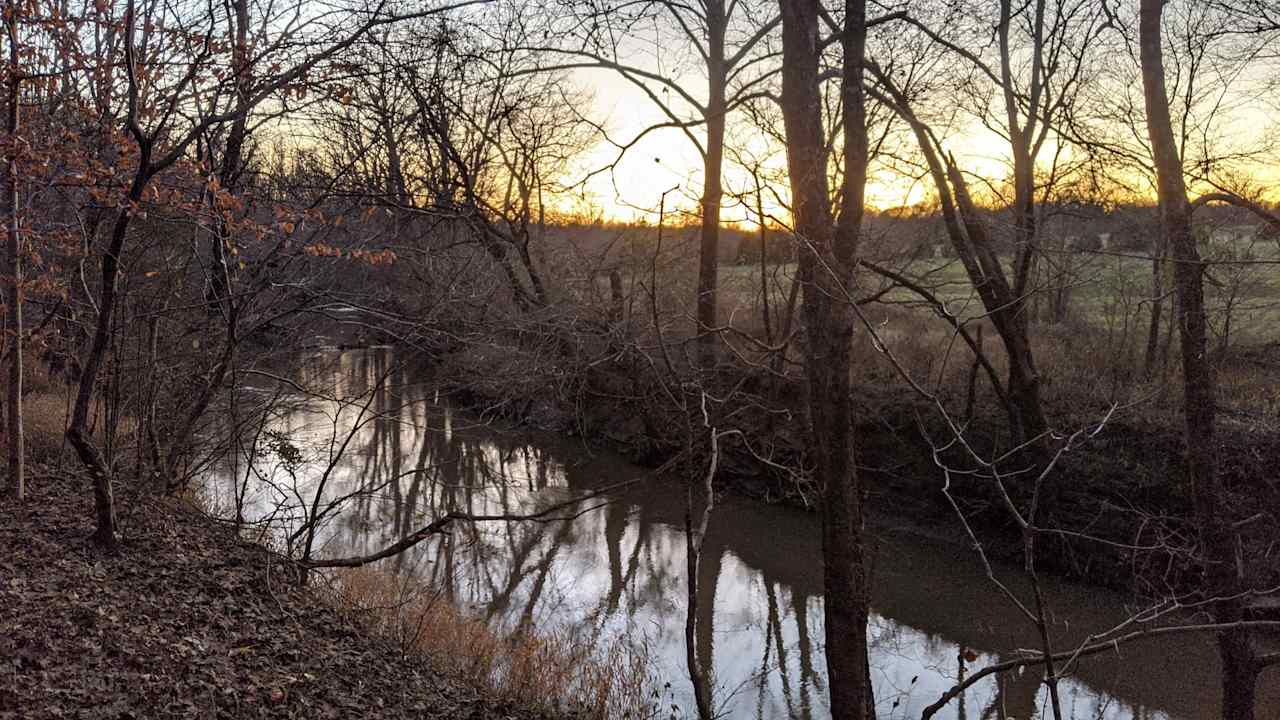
(184, 623)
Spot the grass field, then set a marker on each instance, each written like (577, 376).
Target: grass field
(1106, 292)
(1093, 358)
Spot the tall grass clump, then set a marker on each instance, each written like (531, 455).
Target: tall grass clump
(561, 672)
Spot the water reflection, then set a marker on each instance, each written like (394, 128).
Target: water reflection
(619, 569)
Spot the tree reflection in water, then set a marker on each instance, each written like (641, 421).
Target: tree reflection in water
(620, 569)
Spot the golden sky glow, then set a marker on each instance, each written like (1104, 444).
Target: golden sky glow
(665, 160)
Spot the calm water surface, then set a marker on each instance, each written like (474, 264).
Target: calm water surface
(620, 568)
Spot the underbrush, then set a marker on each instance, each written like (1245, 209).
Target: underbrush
(559, 672)
(46, 411)
(44, 415)
(1112, 484)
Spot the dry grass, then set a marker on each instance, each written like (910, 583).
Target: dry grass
(1084, 369)
(45, 404)
(1249, 386)
(558, 672)
(44, 414)
(1088, 362)
(46, 407)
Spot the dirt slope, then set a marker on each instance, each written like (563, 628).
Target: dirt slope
(188, 621)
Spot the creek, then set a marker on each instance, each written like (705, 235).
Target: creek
(619, 569)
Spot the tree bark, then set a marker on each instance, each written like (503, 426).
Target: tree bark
(1006, 307)
(17, 465)
(712, 188)
(78, 432)
(232, 163)
(1152, 353)
(1240, 662)
(827, 260)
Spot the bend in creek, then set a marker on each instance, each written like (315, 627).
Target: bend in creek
(619, 569)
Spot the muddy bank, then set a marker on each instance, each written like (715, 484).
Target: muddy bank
(188, 620)
(1121, 510)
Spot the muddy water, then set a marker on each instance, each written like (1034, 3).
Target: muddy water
(620, 568)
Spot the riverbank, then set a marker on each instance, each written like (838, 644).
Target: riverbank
(1121, 511)
(188, 620)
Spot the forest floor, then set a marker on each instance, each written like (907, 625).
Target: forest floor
(186, 621)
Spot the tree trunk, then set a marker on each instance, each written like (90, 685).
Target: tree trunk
(970, 237)
(712, 190)
(1062, 300)
(1024, 380)
(827, 259)
(1218, 537)
(78, 433)
(17, 466)
(764, 265)
(1006, 309)
(1157, 306)
(1024, 386)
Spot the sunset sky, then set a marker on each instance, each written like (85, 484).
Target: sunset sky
(665, 159)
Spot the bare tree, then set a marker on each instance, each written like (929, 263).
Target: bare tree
(150, 116)
(827, 262)
(1035, 98)
(451, 136)
(1225, 586)
(728, 40)
(1211, 81)
(13, 254)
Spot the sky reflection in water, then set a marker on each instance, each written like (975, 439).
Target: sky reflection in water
(620, 569)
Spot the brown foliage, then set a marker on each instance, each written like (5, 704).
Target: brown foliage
(555, 671)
